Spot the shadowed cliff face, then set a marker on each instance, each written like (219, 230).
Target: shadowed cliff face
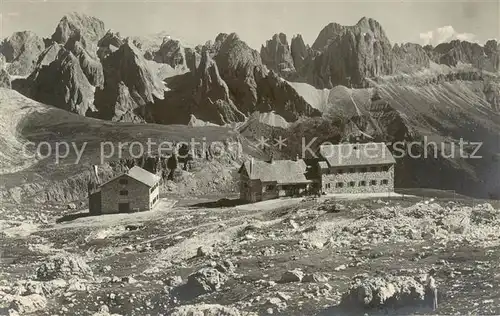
(62, 83)
(129, 86)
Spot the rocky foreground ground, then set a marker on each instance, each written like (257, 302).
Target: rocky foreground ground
(282, 257)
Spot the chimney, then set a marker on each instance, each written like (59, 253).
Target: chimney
(271, 158)
(96, 174)
(296, 158)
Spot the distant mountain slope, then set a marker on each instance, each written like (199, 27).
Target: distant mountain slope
(24, 177)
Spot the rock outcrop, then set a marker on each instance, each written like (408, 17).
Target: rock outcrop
(5, 79)
(62, 83)
(88, 61)
(21, 51)
(171, 52)
(79, 27)
(63, 266)
(409, 57)
(277, 56)
(212, 95)
(129, 86)
(454, 52)
(275, 94)
(240, 67)
(299, 51)
(108, 44)
(377, 292)
(348, 55)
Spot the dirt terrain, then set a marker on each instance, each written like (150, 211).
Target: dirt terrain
(297, 256)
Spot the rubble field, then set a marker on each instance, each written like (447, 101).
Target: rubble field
(282, 257)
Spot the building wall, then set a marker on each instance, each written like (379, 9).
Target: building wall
(154, 195)
(250, 190)
(329, 181)
(270, 190)
(138, 195)
(95, 203)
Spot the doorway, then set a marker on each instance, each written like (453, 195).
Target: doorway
(123, 207)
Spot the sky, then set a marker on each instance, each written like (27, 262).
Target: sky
(195, 22)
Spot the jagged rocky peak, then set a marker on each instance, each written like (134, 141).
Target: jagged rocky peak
(328, 34)
(48, 55)
(171, 52)
(457, 51)
(299, 51)
(109, 43)
(212, 94)
(111, 38)
(129, 86)
(276, 54)
(240, 66)
(78, 26)
(347, 55)
(63, 84)
(409, 57)
(21, 51)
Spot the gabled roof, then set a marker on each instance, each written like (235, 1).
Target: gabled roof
(356, 154)
(139, 174)
(280, 171)
(143, 176)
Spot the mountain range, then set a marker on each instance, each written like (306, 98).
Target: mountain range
(351, 83)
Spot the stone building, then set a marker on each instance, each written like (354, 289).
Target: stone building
(264, 180)
(134, 191)
(356, 168)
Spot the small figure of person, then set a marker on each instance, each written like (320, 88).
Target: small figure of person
(431, 289)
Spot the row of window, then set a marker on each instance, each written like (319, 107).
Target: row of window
(362, 170)
(361, 183)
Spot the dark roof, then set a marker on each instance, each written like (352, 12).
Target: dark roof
(140, 175)
(280, 171)
(356, 154)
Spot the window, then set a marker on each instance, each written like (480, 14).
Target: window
(384, 182)
(362, 183)
(123, 192)
(385, 168)
(352, 183)
(373, 169)
(351, 170)
(340, 171)
(327, 185)
(364, 169)
(269, 187)
(340, 184)
(373, 182)
(123, 181)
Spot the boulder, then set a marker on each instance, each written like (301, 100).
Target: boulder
(390, 291)
(63, 266)
(292, 276)
(28, 304)
(315, 277)
(206, 280)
